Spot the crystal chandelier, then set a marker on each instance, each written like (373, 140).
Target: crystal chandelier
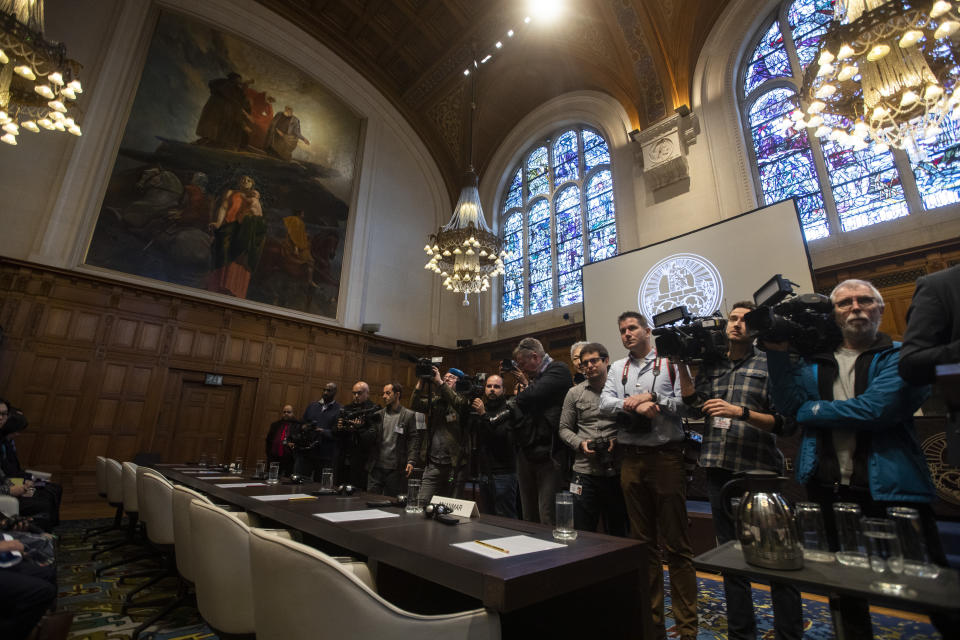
(887, 71)
(465, 252)
(38, 83)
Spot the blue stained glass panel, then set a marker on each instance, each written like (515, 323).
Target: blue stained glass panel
(603, 243)
(541, 296)
(568, 214)
(565, 160)
(769, 60)
(808, 45)
(514, 223)
(813, 216)
(866, 186)
(600, 206)
(570, 256)
(515, 193)
(571, 288)
(538, 175)
(938, 176)
(595, 151)
(775, 103)
(511, 243)
(539, 227)
(541, 266)
(806, 13)
(792, 176)
(512, 302)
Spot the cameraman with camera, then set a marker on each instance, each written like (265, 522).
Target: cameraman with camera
(494, 419)
(360, 415)
(596, 471)
(732, 395)
(445, 449)
(642, 395)
(542, 383)
(856, 417)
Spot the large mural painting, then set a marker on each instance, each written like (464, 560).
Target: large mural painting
(234, 174)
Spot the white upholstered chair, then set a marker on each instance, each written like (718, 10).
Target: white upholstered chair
(321, 598)
(9, 505)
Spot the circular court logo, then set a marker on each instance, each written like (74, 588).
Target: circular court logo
(681, 279)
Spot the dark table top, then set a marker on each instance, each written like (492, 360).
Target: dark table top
(939, 594)
(421, 546)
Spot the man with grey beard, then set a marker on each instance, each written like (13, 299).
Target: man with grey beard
(856, 416)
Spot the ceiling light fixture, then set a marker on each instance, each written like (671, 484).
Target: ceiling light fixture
(887, 71)
(38, 83)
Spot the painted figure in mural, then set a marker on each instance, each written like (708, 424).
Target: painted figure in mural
(284, 134)
(239, 234)
(225, 121)
(261, 115)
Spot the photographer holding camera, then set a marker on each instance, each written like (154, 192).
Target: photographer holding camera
(596, 471)
(856, 417)
(494, 419)
(643, 396)
(445, 449)
(360, 415)
(542, 383)
(732, 395)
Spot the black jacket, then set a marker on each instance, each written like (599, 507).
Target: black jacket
(494, 429)
(933, 327)
(541, 403)
(410, 433)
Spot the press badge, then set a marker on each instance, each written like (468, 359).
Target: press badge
(720, 423)
(576, 489)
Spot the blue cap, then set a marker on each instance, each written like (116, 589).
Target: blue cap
(456, 372)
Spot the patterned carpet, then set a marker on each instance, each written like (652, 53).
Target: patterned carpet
(97, 603)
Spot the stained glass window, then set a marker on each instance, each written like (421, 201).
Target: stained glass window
(568, 215)
(836, 189)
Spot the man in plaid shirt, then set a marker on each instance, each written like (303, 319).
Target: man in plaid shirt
(741, 424)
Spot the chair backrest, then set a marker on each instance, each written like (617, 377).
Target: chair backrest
(182, 531)
(101, 476)
(130, 499)
(9, 505)
(141, 471)
(114, 482)
(221, 567)
(345, 608)
(157, 507)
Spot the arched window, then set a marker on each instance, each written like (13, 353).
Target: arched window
(837, 189)
(557, 213)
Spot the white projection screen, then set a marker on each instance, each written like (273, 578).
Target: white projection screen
(712, 267)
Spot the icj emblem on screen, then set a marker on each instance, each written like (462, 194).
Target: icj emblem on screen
(681, 279)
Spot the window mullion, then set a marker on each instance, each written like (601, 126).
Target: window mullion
(826, 188)
(911, 192)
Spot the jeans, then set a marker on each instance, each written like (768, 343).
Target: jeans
(502, 490)
(741, 623)
(654, 488)
(443, 480)
(539, 483)
(388, 482)
(599, 496)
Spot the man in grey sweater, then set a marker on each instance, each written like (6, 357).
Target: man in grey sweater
(596, 472)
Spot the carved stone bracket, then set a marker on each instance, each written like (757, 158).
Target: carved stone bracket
(664, 149)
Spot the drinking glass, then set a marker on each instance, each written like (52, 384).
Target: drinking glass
(916, 560)
(414, 496)
(261, 469)
(273, 477)
(238, 466)
(212, 460)
(203, 460)
(326, 479)
(812, 533)
(563, 529)
(853, 550)
(883, 545)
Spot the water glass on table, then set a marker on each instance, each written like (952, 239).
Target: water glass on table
(414, 496)
(812, 533)
(326, 479)
(563, 529)
(238, 466)
(883, 545)
(853, 549)
(273, 475)
(916, 560)
(261, 469)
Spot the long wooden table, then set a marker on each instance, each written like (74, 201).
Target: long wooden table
(591, 586)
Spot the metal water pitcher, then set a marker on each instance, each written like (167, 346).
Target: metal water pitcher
(763, 522)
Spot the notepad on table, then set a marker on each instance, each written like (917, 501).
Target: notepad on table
(282, 496)
(361, 514)
(234, 485)
(508, 547)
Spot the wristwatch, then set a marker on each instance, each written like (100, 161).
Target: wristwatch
(745, 414)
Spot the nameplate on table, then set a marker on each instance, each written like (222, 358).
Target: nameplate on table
(361, 514)
(282, 496)
(509, 547)
(461, 508)
(237, 485)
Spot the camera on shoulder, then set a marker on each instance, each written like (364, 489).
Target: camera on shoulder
(806, 320)
(682, 337)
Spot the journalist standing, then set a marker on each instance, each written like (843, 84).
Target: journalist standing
(641, 392)
(392, 443)
(596, 470)
(732, 395)
(445, 447)
(542, 384)
(360, 415)
(314, 442)
(494, 419)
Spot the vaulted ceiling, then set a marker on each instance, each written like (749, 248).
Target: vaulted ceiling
(641, 52)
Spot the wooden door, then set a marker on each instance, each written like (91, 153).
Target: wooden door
(205, 422)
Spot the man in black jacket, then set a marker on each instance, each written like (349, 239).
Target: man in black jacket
(542, 384)
(314, 442)
(494, 419)
(933, 327)
(358, 416)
